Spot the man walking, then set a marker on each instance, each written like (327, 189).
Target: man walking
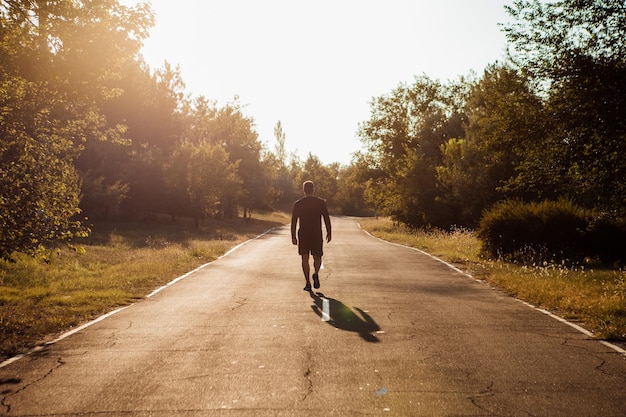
(310, 210)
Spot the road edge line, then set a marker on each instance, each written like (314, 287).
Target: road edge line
(546, 312)
(228, 252)
(90, 323)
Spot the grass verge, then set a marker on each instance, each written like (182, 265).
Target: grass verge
(123, 262)
(594, 298)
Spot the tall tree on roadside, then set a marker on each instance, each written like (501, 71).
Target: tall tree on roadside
(503, 120)
(39, 187)
(275, 165)
(203, 177)
(403, 136)
(350, 195)
(576, 52)
(58, 58)
(280, 149)
(235, 131)
(153, 108)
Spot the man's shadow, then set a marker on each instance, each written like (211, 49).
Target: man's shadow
(342, 317)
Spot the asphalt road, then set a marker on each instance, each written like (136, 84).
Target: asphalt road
(392, 332)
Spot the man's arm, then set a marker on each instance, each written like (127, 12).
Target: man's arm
(327, 224)
(294, 221)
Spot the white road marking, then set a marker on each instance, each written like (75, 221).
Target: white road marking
(325, 310)
(152, 294)
(554, 316)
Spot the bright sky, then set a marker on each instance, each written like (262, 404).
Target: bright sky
(315, 66)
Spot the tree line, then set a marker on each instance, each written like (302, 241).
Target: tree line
(547, 124)
(88, 130)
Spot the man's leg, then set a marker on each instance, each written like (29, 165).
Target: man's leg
(317, 264)
(306, 269)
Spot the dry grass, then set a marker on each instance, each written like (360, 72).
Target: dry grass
(594, 298)
(122, 262)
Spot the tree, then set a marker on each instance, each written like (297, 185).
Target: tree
(324, 177)
(283, 173)
(204, 177)
(39, 186)
(281, 137)
(576, 53)
(235, 132)
(153, 106)
(350, 195)
(546, 39)
(404, 135)
(149, 104)
(101, 199)
(57, 60)
(503, 117)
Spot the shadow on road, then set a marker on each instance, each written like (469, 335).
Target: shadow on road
(342, 317)
(5, 382)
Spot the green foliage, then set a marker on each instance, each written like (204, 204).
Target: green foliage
(575, 53)
(403, 136)
(280, 149)
(58, 59)
(550, 231)
(324, 177)
(502, 114)
(549, 124)
(606, 237)
(350, 196)
(203, 177)
(235, 132)
(39, 185)
(102, 200)
(114, 136)
(546, 38)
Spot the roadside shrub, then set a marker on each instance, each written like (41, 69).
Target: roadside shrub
(550, 231)
(607, 239)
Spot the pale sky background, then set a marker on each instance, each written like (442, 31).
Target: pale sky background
(316, 66)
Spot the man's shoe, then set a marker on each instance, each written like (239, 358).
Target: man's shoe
(316, 280)
(307, 287)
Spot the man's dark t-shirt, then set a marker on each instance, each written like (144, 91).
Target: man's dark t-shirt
(310, 210)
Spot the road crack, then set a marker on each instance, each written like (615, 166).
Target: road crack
(240, 303)
(307, 377)
(5, 403)
(487, 392)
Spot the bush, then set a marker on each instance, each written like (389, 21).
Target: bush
(550, 231)
(606, 240)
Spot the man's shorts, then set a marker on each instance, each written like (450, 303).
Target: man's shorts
(312, 246)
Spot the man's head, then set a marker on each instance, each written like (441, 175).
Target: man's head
(308, 187)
